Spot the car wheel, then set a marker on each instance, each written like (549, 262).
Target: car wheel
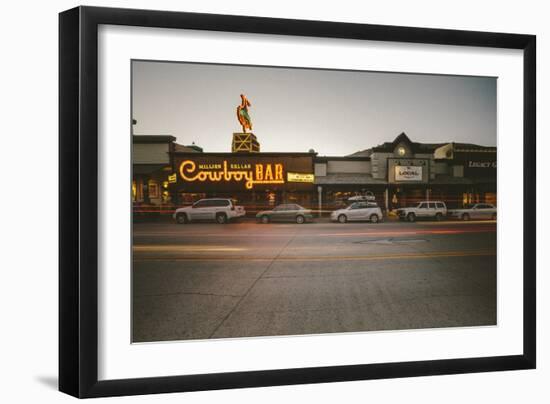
(221, 218)
(374, 218)
(438, 217)
(465, 217)
(181, 218)
(300, 219)
(342, 219)
(494, 216)
(265, 219)
(411, 217)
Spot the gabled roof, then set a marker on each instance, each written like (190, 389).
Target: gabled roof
(389, 147)
(416, 147)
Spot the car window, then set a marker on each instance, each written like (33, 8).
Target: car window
(354, 205)
(200, 204)
(372, 205)
(423, 206)
(439, 205)
(215, 203)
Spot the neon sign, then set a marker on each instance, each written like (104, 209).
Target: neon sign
(250, 174)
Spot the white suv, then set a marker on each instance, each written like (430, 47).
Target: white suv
(358, 211)
(424, 210)
(219, 209)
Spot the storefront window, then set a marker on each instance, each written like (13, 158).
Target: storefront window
(491, 197)
(154, 192)
(187, 198)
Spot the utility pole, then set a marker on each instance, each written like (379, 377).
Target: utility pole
(320, 198)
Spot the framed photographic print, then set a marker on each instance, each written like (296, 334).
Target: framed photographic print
(251, 201)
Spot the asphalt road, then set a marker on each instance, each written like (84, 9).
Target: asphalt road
(199, 281)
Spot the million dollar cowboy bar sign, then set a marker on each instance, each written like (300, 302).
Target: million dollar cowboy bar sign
(238, 172)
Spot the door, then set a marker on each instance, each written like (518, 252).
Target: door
(476, 212)
(213, 206)
(278, 213)
(363, 211)
(197, 212)
(480, 211)
(291, 212)
(423, 210)
(485, 211)
(354, 213)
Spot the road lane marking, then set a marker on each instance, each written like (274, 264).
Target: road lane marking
(446, 254)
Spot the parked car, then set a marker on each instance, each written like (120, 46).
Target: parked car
(424, 210)
(358, 211)
(475, 211)
(221, 210)
(288, 212)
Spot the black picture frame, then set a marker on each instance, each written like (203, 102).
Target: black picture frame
(78, 201)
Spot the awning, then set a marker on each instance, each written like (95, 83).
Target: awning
(448, 180)
(348, 179)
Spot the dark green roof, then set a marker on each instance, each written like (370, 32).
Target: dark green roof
(153, 138)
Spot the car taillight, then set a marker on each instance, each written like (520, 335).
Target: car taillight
(232, 207)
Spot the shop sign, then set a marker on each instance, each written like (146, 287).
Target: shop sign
(408, 173)
(300, 177)
(482, 164)
(172, 178)
(250, 174)
(480, 168)
(410, 170)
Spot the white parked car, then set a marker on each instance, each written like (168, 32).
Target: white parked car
(358, 211)
(424, 210)
(475, 211)
(221, 210)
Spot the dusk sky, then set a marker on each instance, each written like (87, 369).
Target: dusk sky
(294, 110)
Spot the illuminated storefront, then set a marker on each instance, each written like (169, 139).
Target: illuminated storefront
(400, 173)
(255, 180)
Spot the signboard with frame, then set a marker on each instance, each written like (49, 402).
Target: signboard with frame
(408, 170)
